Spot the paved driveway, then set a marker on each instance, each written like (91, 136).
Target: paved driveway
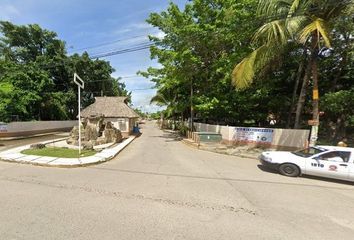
(158, 188)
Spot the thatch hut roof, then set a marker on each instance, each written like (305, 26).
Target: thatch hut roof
(109, 107)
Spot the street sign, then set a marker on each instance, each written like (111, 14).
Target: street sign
(313, 136)
(313, 122)
(3, 127)
(79, 82)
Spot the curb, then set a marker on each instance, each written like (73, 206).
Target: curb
(199, 147)
(191, 143)
(91, 160)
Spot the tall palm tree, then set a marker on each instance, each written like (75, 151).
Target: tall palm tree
(306, 22)
(160, 100)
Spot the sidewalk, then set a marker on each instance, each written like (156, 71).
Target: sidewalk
(239, 151)
(15, 155)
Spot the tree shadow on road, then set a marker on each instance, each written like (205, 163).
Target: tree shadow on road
(170, 137)
(256, 181)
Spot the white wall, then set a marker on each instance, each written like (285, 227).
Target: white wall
(39, 125)
(18, 129)
(120, 123)
(292, 138)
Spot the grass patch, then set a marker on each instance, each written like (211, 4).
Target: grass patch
(59, 152)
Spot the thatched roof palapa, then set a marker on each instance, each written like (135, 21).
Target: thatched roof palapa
(109, 107)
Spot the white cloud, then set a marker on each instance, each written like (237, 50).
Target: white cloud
(160, 35)
(141, 100)
(141, 25)
(151, 108)
(143, 14)
(131, 33)
(8, 12)
(141, 91)
(133, 27)
(135, 40)
(121, 31)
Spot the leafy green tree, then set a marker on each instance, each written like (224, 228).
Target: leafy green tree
(197, 54)
(338, 107)
(36, 75)
(304, 21)
(27, 43)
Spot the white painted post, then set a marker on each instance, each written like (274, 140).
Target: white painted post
(79, 107)
(80, 84)
(313, 136)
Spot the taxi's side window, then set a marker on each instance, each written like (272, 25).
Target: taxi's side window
(345, 155)
(335, 156)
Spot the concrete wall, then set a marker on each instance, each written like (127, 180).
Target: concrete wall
(291, 137)
(17, 129)
(120, 123)
(21, 129)
(124, 124)
(287, 139)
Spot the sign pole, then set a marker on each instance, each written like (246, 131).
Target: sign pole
(316, 116)
(79, 107)
(80, 84)
(314, 135)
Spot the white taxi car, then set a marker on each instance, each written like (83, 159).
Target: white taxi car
(324, 161)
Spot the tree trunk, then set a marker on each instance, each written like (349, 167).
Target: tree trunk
(315, 97)
(314, 68)
(302, 97)
(192, 109)
(296, 86)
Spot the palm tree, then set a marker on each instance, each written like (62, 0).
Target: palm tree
(163, 98)
(306, 22)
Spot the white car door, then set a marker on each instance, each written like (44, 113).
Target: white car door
(351, 168)
(333, 164)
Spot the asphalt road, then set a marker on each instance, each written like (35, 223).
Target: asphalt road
(159, 188)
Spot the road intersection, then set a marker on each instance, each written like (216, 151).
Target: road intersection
(159, 188)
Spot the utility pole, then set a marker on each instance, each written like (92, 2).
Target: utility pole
(80, 84)
(315, 97)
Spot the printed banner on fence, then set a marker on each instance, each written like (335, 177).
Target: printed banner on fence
(3, 127)
(253, 135)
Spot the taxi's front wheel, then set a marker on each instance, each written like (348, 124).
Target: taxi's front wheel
(290, 170)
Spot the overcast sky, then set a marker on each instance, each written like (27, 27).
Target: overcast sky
(85, 24)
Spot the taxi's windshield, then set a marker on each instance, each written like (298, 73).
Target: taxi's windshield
(308, 152)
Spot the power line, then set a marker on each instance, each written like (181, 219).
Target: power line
(141, 89)
(120, 48)
(122, 51)
(109, 43)
(264, 18)
(103, 91)
(133, 48)
(131, 76)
